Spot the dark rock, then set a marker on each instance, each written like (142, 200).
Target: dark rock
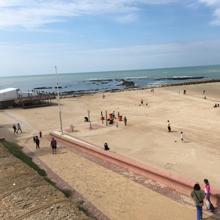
(127, 84)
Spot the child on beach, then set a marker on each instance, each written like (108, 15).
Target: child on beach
(34, 139)
(14, 128)
(208, 202)
(37, 142)
(168, 126)
(125, 120)
(181, 136)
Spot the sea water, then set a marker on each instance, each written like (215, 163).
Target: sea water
(110, 80)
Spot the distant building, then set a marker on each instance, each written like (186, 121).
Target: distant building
(8, 94)
(13, 97)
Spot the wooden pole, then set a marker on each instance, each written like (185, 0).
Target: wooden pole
(106, 118)
(90, 124)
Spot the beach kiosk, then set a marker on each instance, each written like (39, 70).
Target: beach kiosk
(8, 94)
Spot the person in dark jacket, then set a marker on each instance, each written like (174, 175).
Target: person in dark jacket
(168, 126)
(37, 142)
(106, 147)
(53, 145)
(14, 128)
(125, 121)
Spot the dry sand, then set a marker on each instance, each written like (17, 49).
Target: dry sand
(26, 195)
(144, 139)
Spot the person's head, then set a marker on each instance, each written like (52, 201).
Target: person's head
(206, 181)
(168, 121)
(196, 187)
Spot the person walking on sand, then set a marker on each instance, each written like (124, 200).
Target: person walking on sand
(14, 128)
(168, 126)
(19, 128)
(208, 202)
(181, 136)
(34, 139)
(40, 134)
(198, 196)
(53, 145)
(106, 148)
(37, 142)
(125, 121)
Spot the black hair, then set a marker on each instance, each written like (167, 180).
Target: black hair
(196, 186)
(206, 181)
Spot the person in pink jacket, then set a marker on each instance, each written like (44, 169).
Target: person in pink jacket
(207, 190)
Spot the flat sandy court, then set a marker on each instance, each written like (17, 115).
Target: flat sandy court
(145, 138)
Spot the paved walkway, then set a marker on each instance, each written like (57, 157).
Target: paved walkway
(113, 194)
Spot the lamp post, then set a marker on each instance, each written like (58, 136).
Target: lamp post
(58, 101)
(90, 124)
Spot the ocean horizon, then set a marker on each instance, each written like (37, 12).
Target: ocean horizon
(110, 80)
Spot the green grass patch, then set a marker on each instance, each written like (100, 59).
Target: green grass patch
(16, 150)
(68, 193)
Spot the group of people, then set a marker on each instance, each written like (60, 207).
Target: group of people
(53, 143)
(201, 197)
(17, 128)
(112, 118)
(216, 105)
(170, 130)
(142, 103)
(36, 141)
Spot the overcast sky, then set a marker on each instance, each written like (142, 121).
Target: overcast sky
(98, 35)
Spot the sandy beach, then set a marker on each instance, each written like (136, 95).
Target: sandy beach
(145, 138)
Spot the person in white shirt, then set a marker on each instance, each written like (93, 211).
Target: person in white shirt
(181, 136)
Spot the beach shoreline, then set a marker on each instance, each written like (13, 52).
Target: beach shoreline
(70, 94)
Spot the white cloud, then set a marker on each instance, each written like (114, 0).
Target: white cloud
(41, 58)
(38, 13)
(127, 19)
(215, 5)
